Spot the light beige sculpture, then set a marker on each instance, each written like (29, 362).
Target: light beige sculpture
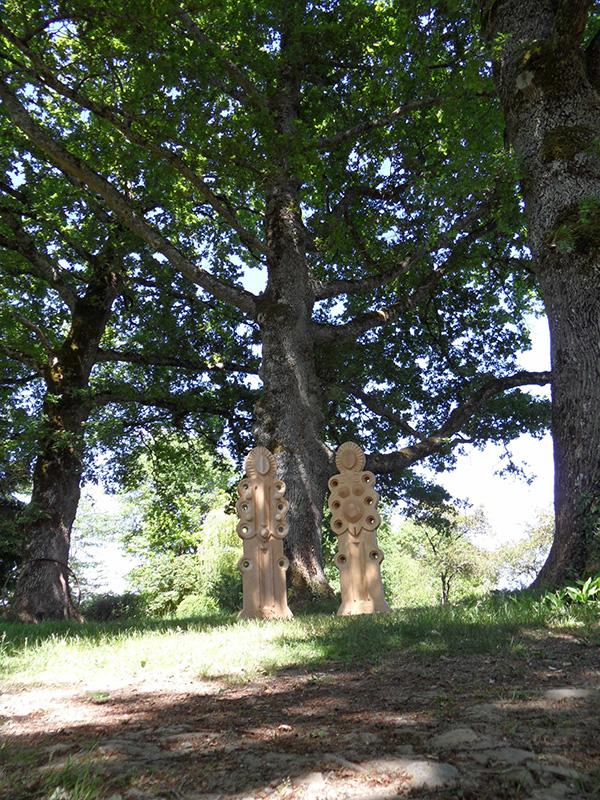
(262, 509)
(354, 519)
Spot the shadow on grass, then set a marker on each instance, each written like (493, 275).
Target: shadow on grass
(310, 639)
(340, 722)
(422, 632)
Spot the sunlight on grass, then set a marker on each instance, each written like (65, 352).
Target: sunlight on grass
(101, 654)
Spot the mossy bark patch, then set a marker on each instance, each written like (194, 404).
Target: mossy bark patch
(564, 143)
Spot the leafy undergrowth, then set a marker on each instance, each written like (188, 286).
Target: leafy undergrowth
(221, 646)
(75, 778)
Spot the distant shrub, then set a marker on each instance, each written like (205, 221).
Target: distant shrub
(170, 581)
(196, 605)
(109, 607)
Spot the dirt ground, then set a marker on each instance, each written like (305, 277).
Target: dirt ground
(475, 727)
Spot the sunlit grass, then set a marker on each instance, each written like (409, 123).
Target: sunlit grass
(94, 653)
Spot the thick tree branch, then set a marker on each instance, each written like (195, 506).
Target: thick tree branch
(572, 17)
(592, 61)
(447, 435)
(79, 171)
(125, 126)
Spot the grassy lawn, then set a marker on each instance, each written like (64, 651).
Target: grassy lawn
(66, 654)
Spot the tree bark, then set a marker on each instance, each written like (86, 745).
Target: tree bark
(289, 417)
(42, 591)
(549, 94)
(445, 596)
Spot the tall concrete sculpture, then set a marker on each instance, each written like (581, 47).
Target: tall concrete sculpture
(354, 519)
(262, 510)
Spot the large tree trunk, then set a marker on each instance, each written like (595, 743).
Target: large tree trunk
(289, 416)
(42, 590)
(549, 93)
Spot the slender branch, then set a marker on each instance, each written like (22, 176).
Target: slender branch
(34, 328)
(76, 169)
(372, 123)
(365, 285)
(133, 357)
(469, 224)
(184, 402)
(23, 358)
(124, 126)
(446, 436)
(328, 333)
(249, 89)
(6, 384)
(23, 243)
(373, 404)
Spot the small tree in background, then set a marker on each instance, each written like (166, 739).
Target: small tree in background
(95, 533)
(521, 561)
(184, 534)
(426, 561)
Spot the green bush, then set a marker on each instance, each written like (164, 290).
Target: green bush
(196, 605)
(167, 581)
(109, 607)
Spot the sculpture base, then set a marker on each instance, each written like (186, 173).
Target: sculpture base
(266, 613)
(351, 608)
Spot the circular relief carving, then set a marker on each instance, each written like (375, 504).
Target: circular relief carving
(245, 530)
(350, 457)
(260, 462)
